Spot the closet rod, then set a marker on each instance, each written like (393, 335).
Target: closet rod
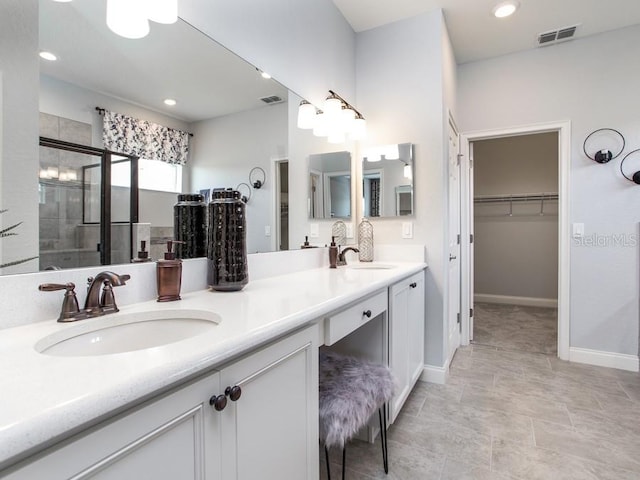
(524, 197)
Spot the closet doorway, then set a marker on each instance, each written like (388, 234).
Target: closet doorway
(505, 201)
(515, 185)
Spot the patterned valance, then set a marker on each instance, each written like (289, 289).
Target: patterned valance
(144, 139)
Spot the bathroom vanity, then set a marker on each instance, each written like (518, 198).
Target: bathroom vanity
(236, 401)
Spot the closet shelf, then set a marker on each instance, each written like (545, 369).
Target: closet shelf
(516, 197)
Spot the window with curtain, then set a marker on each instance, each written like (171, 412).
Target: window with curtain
(144, 139)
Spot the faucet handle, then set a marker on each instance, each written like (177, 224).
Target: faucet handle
(107, 299)
(70, 308)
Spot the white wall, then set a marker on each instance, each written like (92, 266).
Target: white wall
(225, 149)
(405, 85)
(517, 255)
(307, 45)
(18, 179)
(593, 83)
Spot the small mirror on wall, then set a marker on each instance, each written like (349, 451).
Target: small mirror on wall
(387, 180)
(329, 185)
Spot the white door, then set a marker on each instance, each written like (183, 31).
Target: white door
(454, 242)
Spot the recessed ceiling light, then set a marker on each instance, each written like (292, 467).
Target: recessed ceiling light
(170, 101)
(505, 9)
(48, 56)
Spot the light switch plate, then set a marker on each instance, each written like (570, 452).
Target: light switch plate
(578, 230)
(267, 230)
(407, 229)
(314, 230)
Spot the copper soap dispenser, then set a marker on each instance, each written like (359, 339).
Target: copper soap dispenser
(169, 275)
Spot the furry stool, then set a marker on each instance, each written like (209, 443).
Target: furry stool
(351, 390)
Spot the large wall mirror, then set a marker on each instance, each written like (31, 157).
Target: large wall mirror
(238, 119)
(330, 185)
(387, 181)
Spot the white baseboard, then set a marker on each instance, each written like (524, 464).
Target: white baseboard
(510, 300)
(604, 359)
(433, 374)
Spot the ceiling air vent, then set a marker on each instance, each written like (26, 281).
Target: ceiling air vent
(272, 100)
(556, 36)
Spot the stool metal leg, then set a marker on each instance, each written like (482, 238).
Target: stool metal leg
(382, 415)
(344, 460)
(326, 456)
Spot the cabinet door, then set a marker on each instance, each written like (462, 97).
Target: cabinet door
(271, 431)
(176, 437)
(406, 337)
(399, 344)
(416, 323)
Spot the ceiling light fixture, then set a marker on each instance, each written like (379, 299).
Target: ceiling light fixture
(130, 18)
(48, 56)
(505, 9)
(170, 101)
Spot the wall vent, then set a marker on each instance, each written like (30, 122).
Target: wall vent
(556, 36)
(272, 100)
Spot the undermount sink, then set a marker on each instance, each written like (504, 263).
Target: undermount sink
(127, 332)
(370, 266)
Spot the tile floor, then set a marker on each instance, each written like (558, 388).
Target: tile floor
(508, 414)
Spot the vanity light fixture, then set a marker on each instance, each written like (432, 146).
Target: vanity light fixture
(337, 120)
(306, 115)
(48, 56)
(130, 18)
(170, 101)
(263, 74)
(504, 9)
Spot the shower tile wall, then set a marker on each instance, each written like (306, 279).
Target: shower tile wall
(63, 243)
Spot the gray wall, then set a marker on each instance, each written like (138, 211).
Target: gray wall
(516, 255)
(19, 130)
(225, 149)
(564, 82)
(406, 82)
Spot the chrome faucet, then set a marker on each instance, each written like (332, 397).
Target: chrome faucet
(342, 260)
(100, 305)
(95, 304)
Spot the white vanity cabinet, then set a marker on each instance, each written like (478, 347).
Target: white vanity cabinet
(177, 436)
(406, 336)
(270, 431)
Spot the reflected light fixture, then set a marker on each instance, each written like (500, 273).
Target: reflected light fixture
(170, 101)
(504, 9)
(130, 18)
(408, 174)
(306, 115)
(337, 120)
(264, 75)
(48, 56)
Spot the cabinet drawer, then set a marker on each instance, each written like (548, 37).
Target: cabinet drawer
(343, 323)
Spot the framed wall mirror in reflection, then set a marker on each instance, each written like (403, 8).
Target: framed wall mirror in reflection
(387, 181)
(329, 185)
(239, 120)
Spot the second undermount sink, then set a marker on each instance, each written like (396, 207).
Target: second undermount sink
(127, 332)
(370, 266)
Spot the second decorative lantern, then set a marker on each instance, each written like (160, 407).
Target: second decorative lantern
(365, 241)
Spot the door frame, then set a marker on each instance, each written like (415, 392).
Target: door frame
(563, 129)
(275, 202)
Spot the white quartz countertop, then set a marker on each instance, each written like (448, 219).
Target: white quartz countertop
(46, 398)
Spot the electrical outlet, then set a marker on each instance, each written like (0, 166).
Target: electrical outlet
(314, 230)
(407, 229)
(578, 230)
(349, 229)
(267, 230)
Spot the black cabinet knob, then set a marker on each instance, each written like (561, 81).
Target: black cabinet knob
(367, 313)
(233, 393)
(413, 285)
(218, 402)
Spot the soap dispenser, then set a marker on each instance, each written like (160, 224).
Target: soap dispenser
(169, 275)
(333, 253)
(143, 255)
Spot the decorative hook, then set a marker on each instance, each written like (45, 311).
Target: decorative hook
(257, 184)
(243, 197)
